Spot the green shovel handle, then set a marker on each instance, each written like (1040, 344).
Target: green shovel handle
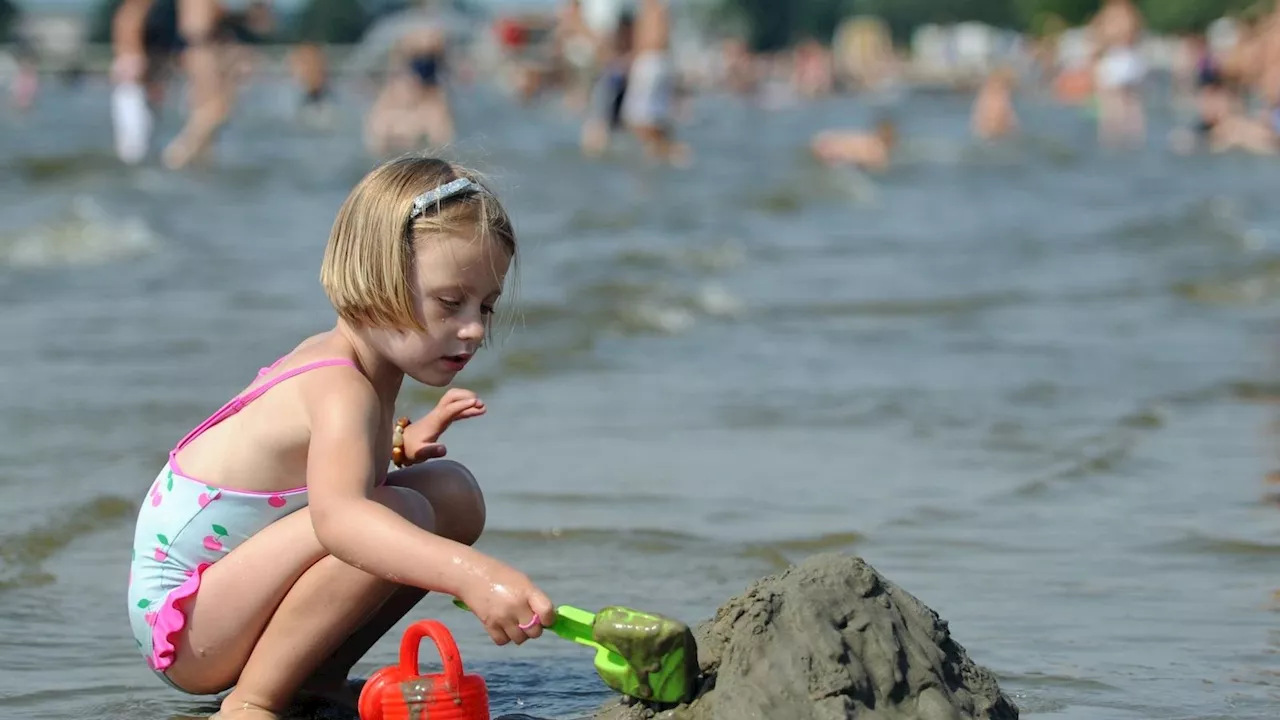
(571, 623)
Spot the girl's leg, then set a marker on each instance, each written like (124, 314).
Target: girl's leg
(263, 582)
(269, 614)
(455, 496)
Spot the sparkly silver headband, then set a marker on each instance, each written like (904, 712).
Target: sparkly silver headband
(440, 194)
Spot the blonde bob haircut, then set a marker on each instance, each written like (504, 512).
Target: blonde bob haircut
(369, 260)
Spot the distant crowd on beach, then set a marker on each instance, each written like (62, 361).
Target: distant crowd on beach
(1230, 94)
(624, 75)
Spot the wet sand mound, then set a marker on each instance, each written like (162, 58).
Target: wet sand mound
(829, 639)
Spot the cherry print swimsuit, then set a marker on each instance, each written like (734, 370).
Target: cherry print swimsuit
(185, 526)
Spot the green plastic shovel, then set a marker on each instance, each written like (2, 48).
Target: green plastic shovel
(644, 655)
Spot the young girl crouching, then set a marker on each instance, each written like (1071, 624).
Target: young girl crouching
(275, 548)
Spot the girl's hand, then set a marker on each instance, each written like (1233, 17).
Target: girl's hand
(420, 437)
(511, 607)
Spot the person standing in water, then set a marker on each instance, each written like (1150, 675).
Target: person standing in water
(648, 109)
(145, 34)
(577, 50)
(310, 68)
(210, 92)
(413, 103)
(994, 115)
(145, 46)
(1116, 31)
(319, 24)
(604, 113)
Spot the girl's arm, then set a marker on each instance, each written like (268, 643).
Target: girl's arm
(341, 470)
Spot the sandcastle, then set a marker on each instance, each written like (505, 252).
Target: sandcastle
(830, 639)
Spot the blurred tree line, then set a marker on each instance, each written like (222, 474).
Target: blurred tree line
(772, 24)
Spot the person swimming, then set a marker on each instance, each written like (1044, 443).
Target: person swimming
(868, 151)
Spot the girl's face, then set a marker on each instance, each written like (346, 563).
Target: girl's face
(456, 284)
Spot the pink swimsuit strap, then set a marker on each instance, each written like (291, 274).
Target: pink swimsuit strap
(239, 402)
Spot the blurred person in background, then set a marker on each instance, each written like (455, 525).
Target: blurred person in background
(145, 45)
(649, 106)
(524, 65)
(146, 36)
(24, 81)
(1117, 30)
(1241, 67)
(1075, 82)
(1221, 121)
(1046, 46)
(321, 23)
(865, 150)
(604, 113)
(812, 75)
(738, 66)
(310, 69)
(206, 61)
(578, 50)
(1269, 75)
(412, 104)
(993, 113)
(864, 54)
(240, 31)
(1192, 57)
(20, 65)
(1235, 109)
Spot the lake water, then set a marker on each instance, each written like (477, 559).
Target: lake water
(1030, 384)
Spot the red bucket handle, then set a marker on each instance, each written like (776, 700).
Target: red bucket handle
(445, 644)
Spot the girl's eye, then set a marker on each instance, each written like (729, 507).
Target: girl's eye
(486, 309)
(451, 304)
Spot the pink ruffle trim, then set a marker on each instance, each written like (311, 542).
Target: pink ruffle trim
(169, 621)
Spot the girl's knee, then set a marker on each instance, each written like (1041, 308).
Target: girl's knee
(408, 504)
(452, 491)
